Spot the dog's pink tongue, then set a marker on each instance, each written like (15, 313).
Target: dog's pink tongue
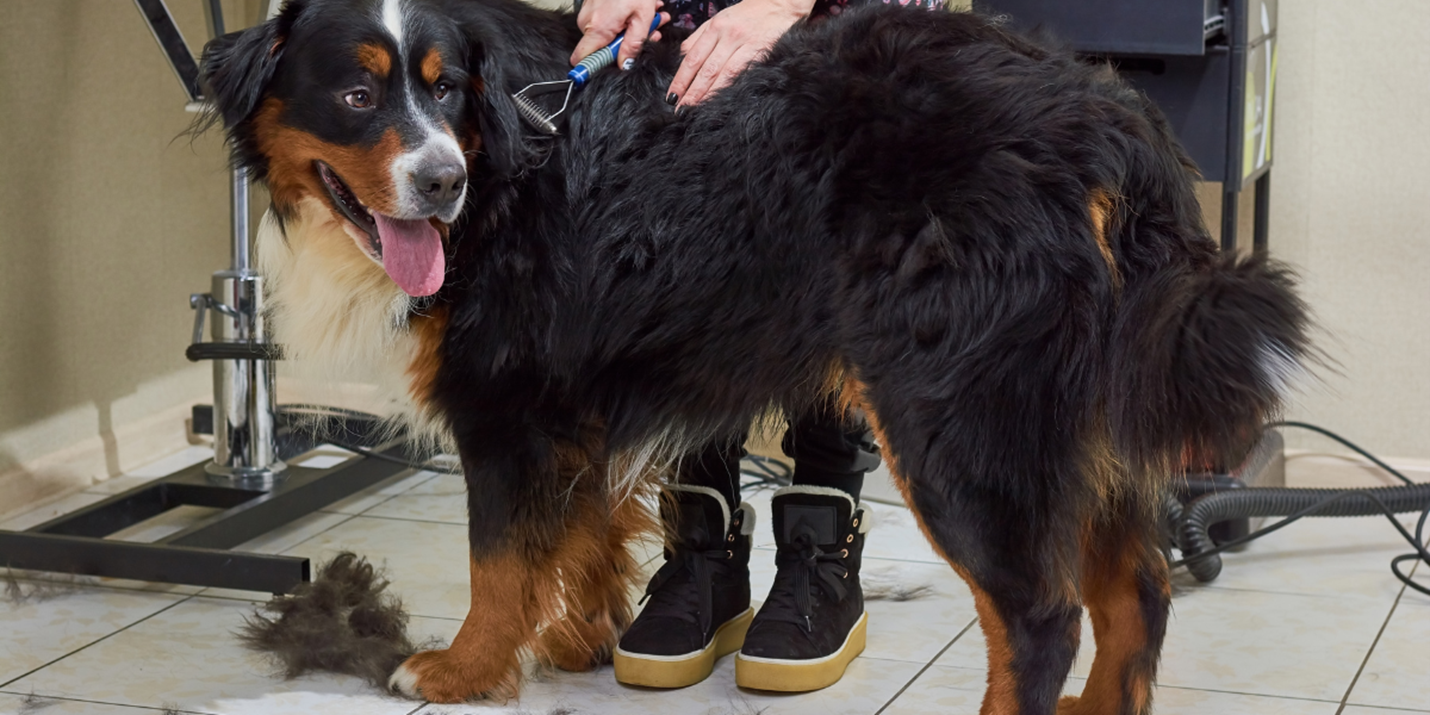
(412, 254)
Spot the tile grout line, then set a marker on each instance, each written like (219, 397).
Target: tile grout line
(85, 586)
(284, 551)
(366, 515)
(364, 512)
(1345, 699)
(1247, 694)
(32, 671)
(1391, 709)
(72, 699)
(926, 667)
(385, 497)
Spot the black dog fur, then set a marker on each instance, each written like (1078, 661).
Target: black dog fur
(991, 247)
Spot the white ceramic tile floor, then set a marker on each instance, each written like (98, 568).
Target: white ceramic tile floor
(1284, 630)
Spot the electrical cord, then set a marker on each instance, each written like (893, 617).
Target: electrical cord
(318, 431)
(767, 472)
(1201, 558)
(1349, 444)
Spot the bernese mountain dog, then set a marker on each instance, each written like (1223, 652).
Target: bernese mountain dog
(989, 247)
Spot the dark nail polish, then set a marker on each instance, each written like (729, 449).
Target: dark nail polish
(679, 110)
(671, 99)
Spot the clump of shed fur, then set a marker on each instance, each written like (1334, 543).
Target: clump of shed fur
(342, 622)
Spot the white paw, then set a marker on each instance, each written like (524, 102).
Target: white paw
(404, 681)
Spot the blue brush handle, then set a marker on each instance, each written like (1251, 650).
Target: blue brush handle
(600, 59)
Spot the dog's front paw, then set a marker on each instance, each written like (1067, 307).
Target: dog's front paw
(579, 644)
(446, 676)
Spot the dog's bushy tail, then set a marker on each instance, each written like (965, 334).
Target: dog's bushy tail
(1202, 357)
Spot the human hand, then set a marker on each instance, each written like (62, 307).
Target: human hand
(726, 43)
(602, 20)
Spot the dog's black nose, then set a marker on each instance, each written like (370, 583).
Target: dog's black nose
(440, 183)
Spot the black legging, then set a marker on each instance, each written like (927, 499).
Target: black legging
(827, 452)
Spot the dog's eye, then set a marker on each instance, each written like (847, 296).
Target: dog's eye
(358, 100)
(443, 89)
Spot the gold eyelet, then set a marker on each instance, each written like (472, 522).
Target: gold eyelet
(856, 522)
(730, 538)
(844, 553)
(849, 539)
(729, 554)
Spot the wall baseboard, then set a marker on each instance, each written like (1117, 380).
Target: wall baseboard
(94, 459)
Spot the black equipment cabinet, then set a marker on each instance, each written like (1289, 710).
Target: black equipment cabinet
(1210, 65)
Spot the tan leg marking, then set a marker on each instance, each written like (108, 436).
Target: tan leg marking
(1001, 697)
(1120, 671)
(482, 660)
(597, 584)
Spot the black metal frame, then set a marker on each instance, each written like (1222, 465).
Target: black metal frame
(75, 543)
(1238, 16)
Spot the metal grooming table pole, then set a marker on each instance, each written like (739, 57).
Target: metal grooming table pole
(247, 477)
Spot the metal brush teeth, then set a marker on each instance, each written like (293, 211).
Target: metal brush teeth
(588, 66)
(533, 112)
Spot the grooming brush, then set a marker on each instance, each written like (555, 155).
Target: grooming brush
(593, 63)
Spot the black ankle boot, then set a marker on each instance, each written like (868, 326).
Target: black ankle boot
(697, 605)
(813, 622)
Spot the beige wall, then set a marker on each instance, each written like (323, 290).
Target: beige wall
(1351, 209)
(109, 218)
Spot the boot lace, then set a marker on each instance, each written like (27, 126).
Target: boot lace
(790, 599)
(691, 598)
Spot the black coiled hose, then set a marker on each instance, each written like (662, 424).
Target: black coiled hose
(1202, 557)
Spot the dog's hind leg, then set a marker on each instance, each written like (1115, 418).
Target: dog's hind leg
(1125, 588)
(1012, 538)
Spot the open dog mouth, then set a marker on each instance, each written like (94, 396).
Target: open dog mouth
(410, 250)
(352, 209)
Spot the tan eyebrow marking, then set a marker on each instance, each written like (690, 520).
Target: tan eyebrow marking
(432, 66)
(375, 59)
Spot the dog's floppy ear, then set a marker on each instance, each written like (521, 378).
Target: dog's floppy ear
(497, 70)
(238, 66)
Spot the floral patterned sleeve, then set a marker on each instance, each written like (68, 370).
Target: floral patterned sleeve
(690, 14)
(834, 7)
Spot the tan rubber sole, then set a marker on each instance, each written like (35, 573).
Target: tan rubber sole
(679, 671)
(801, 676)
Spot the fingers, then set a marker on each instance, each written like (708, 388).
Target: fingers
(708, 77)
(596, 37)
(602, 20)
(637, 30)
(697, 48)
(738, 61)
